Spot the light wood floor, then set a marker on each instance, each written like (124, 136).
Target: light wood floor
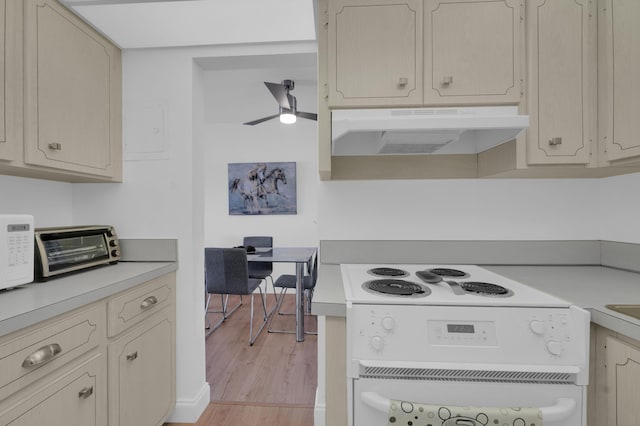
(272, 382)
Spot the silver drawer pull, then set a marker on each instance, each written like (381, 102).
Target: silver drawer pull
(132, 356)
(555, 141)
(42, 355)
(55, 146)
(403, 81)
(148, 302)
(447, 80)
(85, 392)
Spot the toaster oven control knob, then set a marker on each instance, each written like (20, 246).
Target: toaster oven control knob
(377, 343)
(554, 347)
(537, 327)
(113, 243)
(388, 323)
(115, 253)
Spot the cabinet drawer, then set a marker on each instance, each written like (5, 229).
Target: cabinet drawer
(77, 397)
(135, 305)
(28, 355)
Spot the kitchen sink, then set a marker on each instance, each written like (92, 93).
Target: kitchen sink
(631, 310)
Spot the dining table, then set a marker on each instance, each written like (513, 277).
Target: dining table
(302, 257)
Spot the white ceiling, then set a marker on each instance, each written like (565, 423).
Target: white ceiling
(162, 23)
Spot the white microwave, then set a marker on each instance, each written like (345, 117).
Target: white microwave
(16, 250)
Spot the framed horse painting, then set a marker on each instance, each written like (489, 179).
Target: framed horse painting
(262, 188)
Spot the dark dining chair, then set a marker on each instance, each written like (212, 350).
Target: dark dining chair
(288, 281)
(226, 272)
(261, 270)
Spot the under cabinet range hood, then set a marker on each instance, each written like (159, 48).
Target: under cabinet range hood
(466, 130)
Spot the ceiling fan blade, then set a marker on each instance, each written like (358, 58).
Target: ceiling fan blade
(260, 120)
(280, 93)
(309, 115)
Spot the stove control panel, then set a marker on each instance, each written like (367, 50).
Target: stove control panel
(527, 335)
(554, 329)
(462, 333)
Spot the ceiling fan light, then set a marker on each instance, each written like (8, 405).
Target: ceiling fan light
(287, 118)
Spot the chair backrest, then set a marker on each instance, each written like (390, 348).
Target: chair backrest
(226, 271)
(258, 241)
(313, 270)
(262, 269)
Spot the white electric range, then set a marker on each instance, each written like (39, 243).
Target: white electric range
(458, 344)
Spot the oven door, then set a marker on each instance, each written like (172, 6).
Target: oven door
(449, 403)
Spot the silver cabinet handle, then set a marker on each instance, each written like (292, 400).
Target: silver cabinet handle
(55, 146)
(555, 141)
(85, 392)
(403, 81)
(132, 356)
(42, 355)
(447, 80)
(148, 302)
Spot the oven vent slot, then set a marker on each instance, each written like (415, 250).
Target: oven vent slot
(398, 373)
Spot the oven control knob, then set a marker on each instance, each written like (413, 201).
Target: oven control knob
(537, 327)
(554, 347)
(388, 323)
(377, 343)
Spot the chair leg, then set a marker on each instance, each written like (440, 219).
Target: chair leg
(253, 338)
(278, 307)
(226, 313)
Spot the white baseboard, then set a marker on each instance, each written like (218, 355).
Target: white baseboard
(319, 412)
(190, 410)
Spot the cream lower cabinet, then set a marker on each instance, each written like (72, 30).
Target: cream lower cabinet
(562, 46)
(75, 398)
(141, 374)
(110, 363)
(72, 93)
(54, 372)
(615, 379)
(618, 86)
(141, 327)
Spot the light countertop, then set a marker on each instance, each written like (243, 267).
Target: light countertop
(590, 287)
(31, 303)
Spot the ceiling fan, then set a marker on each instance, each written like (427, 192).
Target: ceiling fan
(287, 104)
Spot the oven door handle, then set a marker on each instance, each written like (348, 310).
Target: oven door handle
(563, 408)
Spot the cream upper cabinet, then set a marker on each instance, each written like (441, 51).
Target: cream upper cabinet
(562, 46)
(72, 93)
(375, 52)
(11, 76)
(472, 51)
(618, 85)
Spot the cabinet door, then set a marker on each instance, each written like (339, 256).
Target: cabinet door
(618, 85)
(562, 47)
(375, 52)
(472, 51)
(623, 382)
(142, 374)
(11, 76)
(72, 93)
(76, 398)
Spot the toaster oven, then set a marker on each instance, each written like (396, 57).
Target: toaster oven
(71, 249)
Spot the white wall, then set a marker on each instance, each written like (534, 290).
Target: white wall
(49, 202)
(227, 140)
(619, 208)
(468, 209)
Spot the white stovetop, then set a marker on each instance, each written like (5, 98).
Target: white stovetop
(355, 275)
